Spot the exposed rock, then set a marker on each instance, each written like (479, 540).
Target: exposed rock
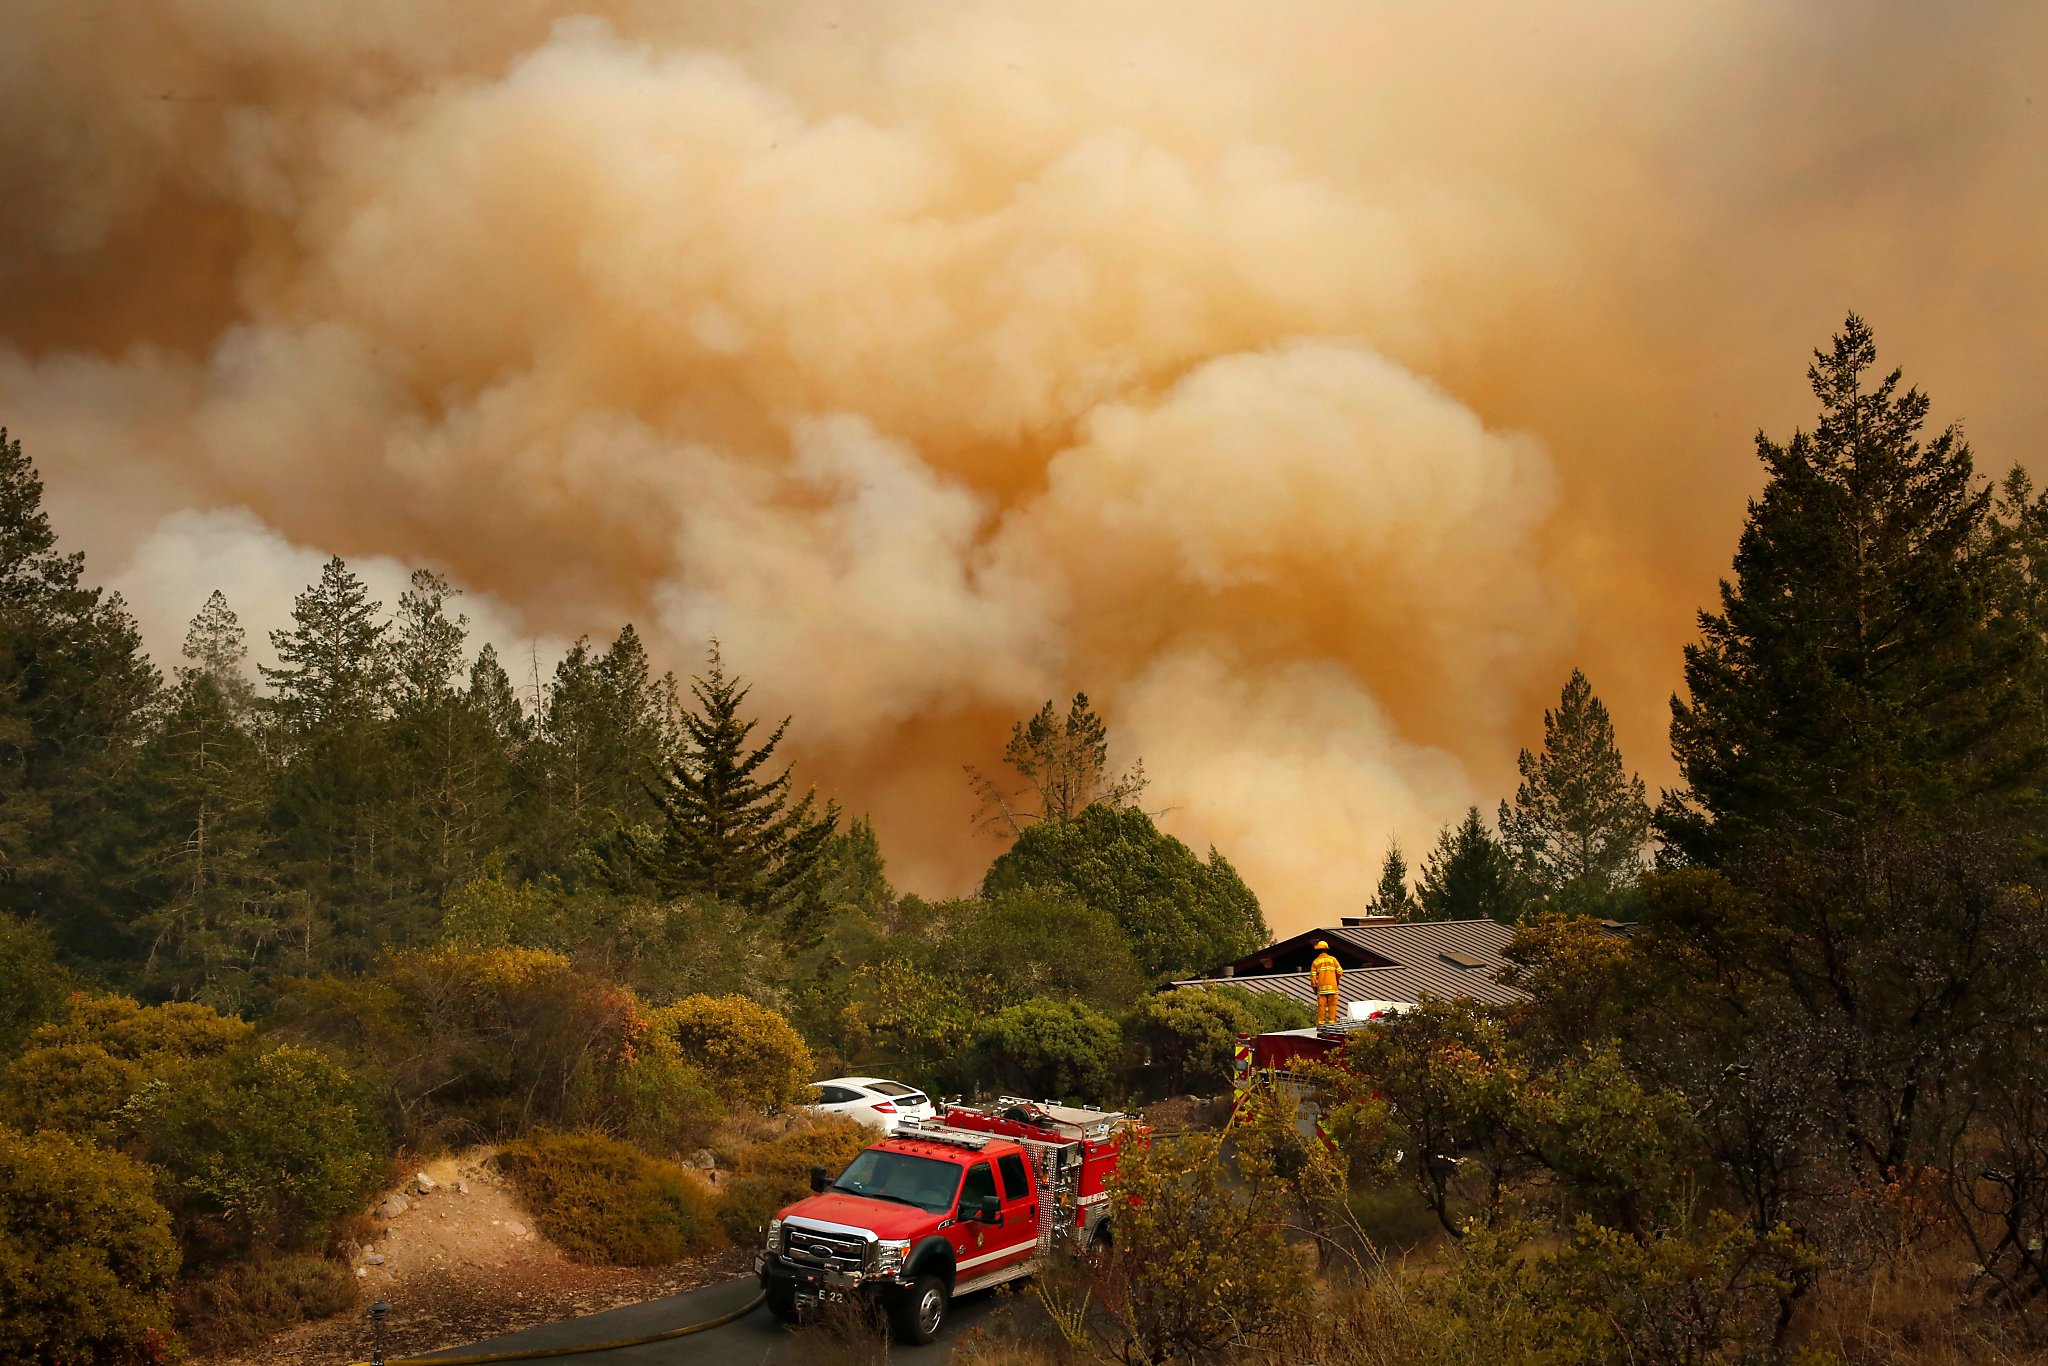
(374, 1259)
(515, 1228)
(705, 1158)
(393, 1206)
(462, 1187)
(425, 1184)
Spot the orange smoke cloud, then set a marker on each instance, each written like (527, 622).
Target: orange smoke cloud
(1313, 384)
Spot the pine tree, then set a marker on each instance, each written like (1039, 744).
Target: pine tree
(453, 766)
(210, 902)
(1579, 819)
(605, 732)
(334, 803)
(1392, 897)
(332, 664)
(1066, 763)
(729, 832)
(1849, 678)
(74, 692)
(1468, 875)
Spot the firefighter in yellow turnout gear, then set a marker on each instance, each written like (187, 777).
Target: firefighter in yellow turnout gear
(1326, 972)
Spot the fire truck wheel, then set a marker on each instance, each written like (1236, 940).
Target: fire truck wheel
(782, 1302)
(918, 1314)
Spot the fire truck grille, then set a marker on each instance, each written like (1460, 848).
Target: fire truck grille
(815, 1247)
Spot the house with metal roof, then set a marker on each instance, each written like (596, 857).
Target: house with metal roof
(1386, 963)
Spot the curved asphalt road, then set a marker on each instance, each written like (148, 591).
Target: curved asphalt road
(750, 1341)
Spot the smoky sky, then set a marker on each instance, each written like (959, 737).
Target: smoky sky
(1314, 384)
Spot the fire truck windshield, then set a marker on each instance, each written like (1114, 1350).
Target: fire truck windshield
(921, 1181)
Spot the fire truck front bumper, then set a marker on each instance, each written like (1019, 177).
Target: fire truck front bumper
(823, 1283)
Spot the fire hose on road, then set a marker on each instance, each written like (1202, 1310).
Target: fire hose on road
(583, 1349)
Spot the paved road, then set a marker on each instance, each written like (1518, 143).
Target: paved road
(750, 1341)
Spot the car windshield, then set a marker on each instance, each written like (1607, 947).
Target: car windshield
(893, 1089)
(883, 1175)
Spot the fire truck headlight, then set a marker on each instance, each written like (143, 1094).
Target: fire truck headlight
(889, 1255)
(775, 1235)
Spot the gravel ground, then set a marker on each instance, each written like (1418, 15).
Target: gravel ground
(461, 1262)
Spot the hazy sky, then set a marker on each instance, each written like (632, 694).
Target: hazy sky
(1314, 383)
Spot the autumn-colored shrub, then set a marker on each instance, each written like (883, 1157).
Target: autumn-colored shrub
(476, 1043)
(1050, 1050)
(1200, 1263)
(604, 1201)
(87, 1258)
(240, 1302)
(750, 1054)
(78, 1088)
(125, 1028)
(775, 1173)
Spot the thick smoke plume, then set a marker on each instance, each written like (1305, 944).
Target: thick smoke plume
(1314, 383)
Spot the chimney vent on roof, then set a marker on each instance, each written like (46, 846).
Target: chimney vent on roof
(1352, 922)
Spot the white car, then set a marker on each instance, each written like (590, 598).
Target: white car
(873, 1101)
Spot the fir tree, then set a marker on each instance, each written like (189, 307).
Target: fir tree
(729, 831)
(332, 664)
(1392, 897)
(1850, 677)
(1579, 819)
(1468, 875)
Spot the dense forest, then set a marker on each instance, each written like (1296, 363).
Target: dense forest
(264, 927)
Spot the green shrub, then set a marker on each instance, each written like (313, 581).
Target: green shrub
(751, 1055)
(768, 1176)
(240, 1302)
(1050, 1050)
(601, 1200)
(1186, 1037)
(87, 1258)
(265, 1148)
(664, 1104)
(33, 985)
(253, 1144)
(1270, 1012)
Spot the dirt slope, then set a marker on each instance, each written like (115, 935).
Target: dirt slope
(458, 1259)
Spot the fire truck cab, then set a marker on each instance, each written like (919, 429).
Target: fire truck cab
(969, 1200)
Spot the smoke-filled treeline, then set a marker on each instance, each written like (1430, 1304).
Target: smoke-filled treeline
(1312, 387)
(202, 832)
(1794, 1111)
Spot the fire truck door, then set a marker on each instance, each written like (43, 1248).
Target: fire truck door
(1020, 1205)
(981, 1248)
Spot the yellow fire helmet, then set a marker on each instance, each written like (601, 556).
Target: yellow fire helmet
(1322, 944)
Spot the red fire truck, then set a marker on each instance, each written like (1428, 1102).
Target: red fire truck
(976, 1197)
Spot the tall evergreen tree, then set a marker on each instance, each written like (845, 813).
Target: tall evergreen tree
(74, 692)
(1579, 819)
(202, 858)
(333, 803)
(453, 765)
(1392, 897)
(332, 663)
(730, 831)
(1849, 678)
(1468, 876)
(605, 730)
